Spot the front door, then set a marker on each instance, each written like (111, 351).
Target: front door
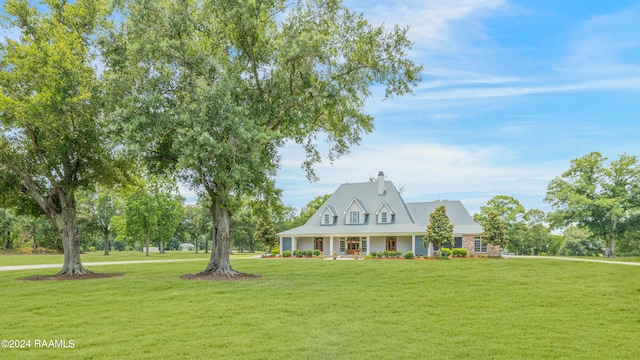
(353, 245)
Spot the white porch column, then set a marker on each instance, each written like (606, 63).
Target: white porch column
(279, 244)
(430, 250)
(293, 244)
(368, 245)
(413, 244)
(330, 245)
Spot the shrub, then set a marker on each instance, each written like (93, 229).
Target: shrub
(316, 252)
(369, 256)
(286, 253)
(275, 251)
(409, 255)
(460, 252)
(471, 255)
(445, 251)
(308, 253)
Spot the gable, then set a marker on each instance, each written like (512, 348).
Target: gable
(384, 214)
(355, 213)
(327, 215)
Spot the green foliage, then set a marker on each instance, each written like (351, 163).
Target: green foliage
(153, 212)
(316, 252)
(580, 242)
(409, 255)
(459, 252)
(494, 231)
(508, 208)
(392, 254)
(53, 138)
(440, 228)
(308, 210)
(275, 251)
(265, 232)
(603, 198)
(286, 253)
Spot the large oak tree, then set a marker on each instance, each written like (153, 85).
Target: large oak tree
(601, 196)
(52, 136)
(214, 88)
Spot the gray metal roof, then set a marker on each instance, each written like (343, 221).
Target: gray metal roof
(407, 218)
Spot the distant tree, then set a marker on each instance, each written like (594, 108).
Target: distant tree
(97, 210)
(243, 225)
(603, 198)
(440, 229)
(494, 231)
(7, 220)
(508, 208)
(538, 235)
(154, 212)
(266, 233)
(580, 242)
(308, 210)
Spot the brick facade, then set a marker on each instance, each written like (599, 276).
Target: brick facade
(468, 242)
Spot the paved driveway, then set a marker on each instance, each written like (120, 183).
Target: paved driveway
(101, 263)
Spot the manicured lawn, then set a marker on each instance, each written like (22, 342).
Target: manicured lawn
(306, 309)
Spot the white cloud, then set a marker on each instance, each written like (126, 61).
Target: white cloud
(429, 171)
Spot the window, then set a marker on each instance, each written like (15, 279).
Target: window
(326, 218)
(391, 243)
(477, 245)
(383, 217)
(364, 246)
(318, 244)
(342, 245)
(354, 217)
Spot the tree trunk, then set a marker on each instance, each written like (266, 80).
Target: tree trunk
(206, 244)
(611, 247)
(68, 228)
(219, 262)
(195, 238)
(147, 242)
(35, 243)
(106, 241)
(161, 246)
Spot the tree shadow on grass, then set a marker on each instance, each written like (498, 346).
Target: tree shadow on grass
(220, 277)
(87, 276)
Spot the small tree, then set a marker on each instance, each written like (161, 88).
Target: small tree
(440, 229)
(494, 231)
(266, 233)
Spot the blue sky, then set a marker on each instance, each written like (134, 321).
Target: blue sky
(511, 92)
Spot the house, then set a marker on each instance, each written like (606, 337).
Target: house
(372, 216)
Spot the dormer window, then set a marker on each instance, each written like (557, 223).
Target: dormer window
(354, 217)
(355, 213)
(327, 215)
(384, 214)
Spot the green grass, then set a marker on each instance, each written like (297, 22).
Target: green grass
(312, 309)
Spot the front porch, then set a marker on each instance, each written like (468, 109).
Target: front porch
(363, 244)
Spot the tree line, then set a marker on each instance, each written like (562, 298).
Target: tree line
(596, 206)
